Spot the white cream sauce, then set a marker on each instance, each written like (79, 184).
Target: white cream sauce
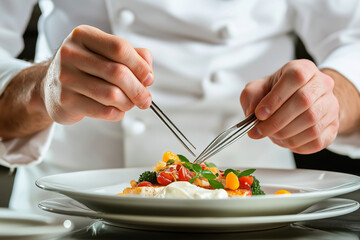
(188, 190)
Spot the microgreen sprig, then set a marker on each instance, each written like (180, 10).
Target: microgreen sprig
(199, 172)
(239, 174)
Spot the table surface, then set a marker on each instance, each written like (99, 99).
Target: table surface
(343, 228)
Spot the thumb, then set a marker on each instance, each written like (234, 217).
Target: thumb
(252, 95)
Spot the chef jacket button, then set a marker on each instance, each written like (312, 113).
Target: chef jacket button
(227, 32)
(215, 77)
(135, 127)
(125, 17)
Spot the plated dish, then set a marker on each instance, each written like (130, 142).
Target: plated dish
(97, 190)
(175, 177)
(327, 208)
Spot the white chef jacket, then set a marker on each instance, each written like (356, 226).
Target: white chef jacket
(204, 52)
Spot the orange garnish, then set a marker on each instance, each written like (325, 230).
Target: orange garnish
(232, 181)
(281, 192)
(170, 156)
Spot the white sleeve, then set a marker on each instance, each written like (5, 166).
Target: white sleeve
(330, 31)
(14, 16)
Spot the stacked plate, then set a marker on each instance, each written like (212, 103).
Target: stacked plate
(93, 194)
(22, 225)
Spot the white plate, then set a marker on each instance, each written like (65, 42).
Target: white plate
(97, 190)
(20, 225)
(327, 208)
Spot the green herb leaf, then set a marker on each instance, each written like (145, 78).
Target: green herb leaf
(209, 165)
(208, 175)
(246, 173)
(193, 179)
(183, 158)
(216, 184)
(229, 170)
(197, 168)
(188, 166)
(169, 162)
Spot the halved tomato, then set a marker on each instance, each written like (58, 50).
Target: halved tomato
(164, 178)
(184, 174)
(246, 182)
(144, 184)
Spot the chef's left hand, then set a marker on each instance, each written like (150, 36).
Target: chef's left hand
(297, 107)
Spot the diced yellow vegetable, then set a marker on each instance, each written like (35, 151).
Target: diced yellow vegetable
(232, 181)
(133, 183)
(281, 192)
(160, 166)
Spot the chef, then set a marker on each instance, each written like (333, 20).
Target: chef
(84, 103)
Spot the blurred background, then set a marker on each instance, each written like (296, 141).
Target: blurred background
(324, 160)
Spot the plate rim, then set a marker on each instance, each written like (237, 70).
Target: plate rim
(303, 216)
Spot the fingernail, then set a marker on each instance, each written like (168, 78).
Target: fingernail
(264, 113)
(247, 112)
(257, 133)
(149, 79)
(147, 103)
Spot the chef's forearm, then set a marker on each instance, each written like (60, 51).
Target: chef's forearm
(22, 109)
(349, 101)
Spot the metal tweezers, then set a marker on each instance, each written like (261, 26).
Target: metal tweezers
(227, 137)
(178, 134)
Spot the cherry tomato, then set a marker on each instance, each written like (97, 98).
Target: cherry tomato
(144, 184)
(167, 174)
(164, 178)
(184, 174)
(203, 166)
(246, 182)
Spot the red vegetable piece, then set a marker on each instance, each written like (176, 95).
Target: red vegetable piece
(246, 182)
(184, 174)
(164, 178)
(144, 184)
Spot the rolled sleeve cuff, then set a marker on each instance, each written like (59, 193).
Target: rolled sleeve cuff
(9, 67)
(25, 150)
(346, 61)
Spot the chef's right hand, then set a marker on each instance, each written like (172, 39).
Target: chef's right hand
(98, 75)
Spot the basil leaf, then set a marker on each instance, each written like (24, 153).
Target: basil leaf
(216, 184)
(183, 158)
(227, 171)
(209, 165)
(193, 179)
(188, 166)
(208, 175)
(197, 168)
(169, 162)
(246, 173)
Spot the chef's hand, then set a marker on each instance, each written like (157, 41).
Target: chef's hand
(297, 107)
(98, 75)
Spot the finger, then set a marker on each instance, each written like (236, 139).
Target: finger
(323, 111)
(298, 103)
(147, 56)
(112, 47)
(95, 88)
(320, 143)
(76, 105)
(292, 76)
(115, 73)
(252, 95)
